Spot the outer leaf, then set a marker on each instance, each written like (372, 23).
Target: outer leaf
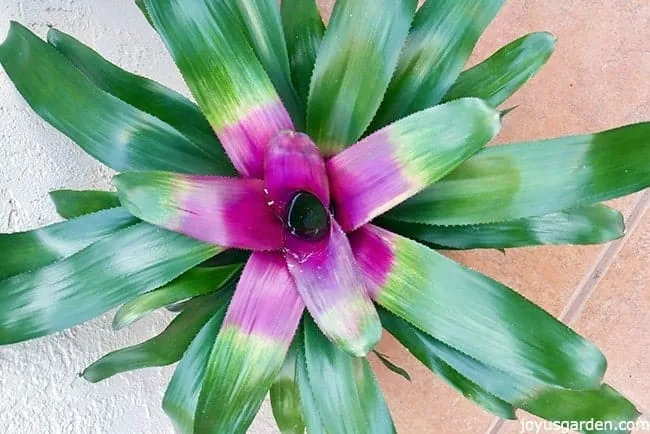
(407, 156)
(303, 31)
(182, 395)
(194, 283)
(112, 131)
(531, 179)
(285, 395)
(263, 28)
(348, 397)
(146, 95)
(164, 349)
(363, 40)
(423, 347)
(107, 273)
(441, 40)
(502, 74)
(483, 384)
(28, 251)
(604, 404)
(392, 366)
(592, 224)
(252, 344)
(71, 204)
(227, 80)
(226, 211)
(506, 331)
(310, 411)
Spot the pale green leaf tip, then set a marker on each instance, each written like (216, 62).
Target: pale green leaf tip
(120, 322)
(551, 38)
(14, 26)
(88, 374)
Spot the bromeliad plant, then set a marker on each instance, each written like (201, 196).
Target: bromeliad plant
(341, 220)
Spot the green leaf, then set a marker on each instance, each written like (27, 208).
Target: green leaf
(109, 272)
(483, 384)
(310, 411)
(143, 8)
(285, 395)
(194, 283)
(182, 395)
(424, 348)
(226, 78)
(502, 74)
(407, 157)
(441, 40)
(473, 313)
(228, 257)
(392, 366)
(114, 132)
(263, 28)
(509, 182)
(355, 62)
(593, 224)
(253, 342)
(604, 404)
(166, 348)
(71, 204)
(31, 250)
(148, 96)
(343, 387)
(303, 31)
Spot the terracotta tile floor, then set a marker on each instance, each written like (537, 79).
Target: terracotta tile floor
(597, 79)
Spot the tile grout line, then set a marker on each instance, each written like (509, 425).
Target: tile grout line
(593, 277)
(605, 259)
(496, 426)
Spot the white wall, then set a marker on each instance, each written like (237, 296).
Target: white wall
(39, 388)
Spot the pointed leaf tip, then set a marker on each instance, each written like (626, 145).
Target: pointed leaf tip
(498, 77)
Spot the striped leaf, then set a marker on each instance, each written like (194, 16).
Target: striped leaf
(251, 347)
(407, 156)
(498, 391)
(220, 68)
(362, 40)
(94, 280)
(476, 315)
(146, 95)
(166, 348)
(502, 74)
(303, 31)
(230, 212)
(111, 130)
(285, 395)
(71, 203)
(195, 283)
(442, 38)
(32, 250)
(593, 224)
(262, 26)
(348, 398)
(509, 182)
(182, 395)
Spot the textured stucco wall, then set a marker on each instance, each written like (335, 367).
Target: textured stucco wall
(39, 388)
